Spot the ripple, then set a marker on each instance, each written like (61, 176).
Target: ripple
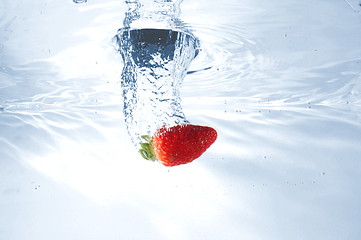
(228, 60)
(355, 5)
(234, 62)
(280, 81)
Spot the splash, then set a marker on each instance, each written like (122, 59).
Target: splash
(155, 63)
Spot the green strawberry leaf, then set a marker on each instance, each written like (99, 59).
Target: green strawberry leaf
(146, 150)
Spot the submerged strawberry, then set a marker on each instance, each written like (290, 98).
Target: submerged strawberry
(178, 144)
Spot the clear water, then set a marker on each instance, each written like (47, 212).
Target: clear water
(280, 81)
(155, 64)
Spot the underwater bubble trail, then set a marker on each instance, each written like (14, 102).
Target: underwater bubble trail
(155, 63)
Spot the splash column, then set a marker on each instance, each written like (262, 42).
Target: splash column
(157, 50)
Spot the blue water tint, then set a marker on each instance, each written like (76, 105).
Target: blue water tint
(155, 63)
(280, 81)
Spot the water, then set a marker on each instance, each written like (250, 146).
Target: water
(155, 63)
(280, 81)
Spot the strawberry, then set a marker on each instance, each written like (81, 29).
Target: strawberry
(177, 145)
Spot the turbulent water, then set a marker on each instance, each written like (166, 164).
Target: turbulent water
(279, 80)
(155, 63)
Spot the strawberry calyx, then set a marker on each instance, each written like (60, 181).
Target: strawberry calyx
(147, 150)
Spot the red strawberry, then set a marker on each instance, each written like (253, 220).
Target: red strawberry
(178, 144)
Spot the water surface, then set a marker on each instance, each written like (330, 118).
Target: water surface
(280, 81)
